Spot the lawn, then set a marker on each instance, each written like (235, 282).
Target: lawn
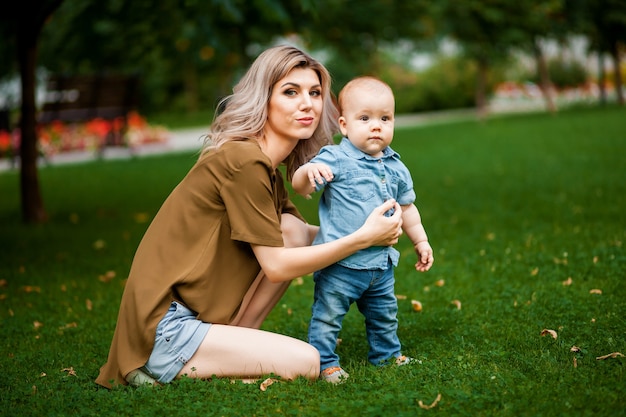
(526, 217)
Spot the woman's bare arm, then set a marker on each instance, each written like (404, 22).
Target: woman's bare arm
(283, 264)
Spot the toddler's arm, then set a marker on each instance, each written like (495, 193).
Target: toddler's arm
(412, 226)
(306, 178)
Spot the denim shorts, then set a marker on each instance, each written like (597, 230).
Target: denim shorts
(178, 336)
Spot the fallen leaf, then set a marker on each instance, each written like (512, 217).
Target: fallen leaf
(595, 291)
(568, 281)
(43, 374)
(433, 404)
(440, 283)
(575, 362)
(3, 283)
(63, 287)
(298, 281)
(574, 349)
(267, 383)
(417, 306)
(401, 297)
(70, 371)
(457, 303)
(37, 324)
(550, 332)
(70, 325)
(534, 272)
(108, 276)
(31, 288)
(141, 217)
(595, 259)
(426, 288)
(99, 244)
(88, 304)
(610, 355)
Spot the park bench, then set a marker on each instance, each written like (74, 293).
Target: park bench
(83, 98)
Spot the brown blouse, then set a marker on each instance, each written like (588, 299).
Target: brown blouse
(197, 249)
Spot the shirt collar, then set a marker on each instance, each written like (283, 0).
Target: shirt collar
(354, 152)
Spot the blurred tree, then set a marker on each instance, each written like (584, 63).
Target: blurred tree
(606, 29)
(186, 51)
(22, 23)
(353, 31)
(483, 29)
(539, 20)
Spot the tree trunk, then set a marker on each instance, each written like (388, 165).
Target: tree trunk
(32, 204)
(545, 84)
(618, 74)
(31, 16)
(601, 78)
(481, 88)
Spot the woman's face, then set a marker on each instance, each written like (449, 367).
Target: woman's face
(295, 106)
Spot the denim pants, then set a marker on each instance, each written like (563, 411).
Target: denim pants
(336, 288)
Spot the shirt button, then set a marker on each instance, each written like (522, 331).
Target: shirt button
(383, 180)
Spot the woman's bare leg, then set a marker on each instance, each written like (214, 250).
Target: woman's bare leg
(241, 350)
(263, 294)
(232, 351)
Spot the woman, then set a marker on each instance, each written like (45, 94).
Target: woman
(224, 246)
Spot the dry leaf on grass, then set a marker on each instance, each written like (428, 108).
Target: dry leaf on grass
(574, 349)
(440, 283)
(610, 355)
(37, 324)
(107, 276)
(267, 383)
(595, 291)
(550, 332)
(568, 281)
(575, 362)
(417, 306)
(428, 407)
(70, 371)
(401, 297)
(457, 303)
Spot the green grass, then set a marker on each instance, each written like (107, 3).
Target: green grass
(514, 206)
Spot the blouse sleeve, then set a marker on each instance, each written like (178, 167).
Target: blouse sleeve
(250, 201)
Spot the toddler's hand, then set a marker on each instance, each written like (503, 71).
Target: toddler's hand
(425, 257)
(317, 173)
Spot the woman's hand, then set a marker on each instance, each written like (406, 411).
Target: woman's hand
(382, 230)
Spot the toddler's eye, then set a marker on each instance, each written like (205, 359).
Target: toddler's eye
(364, 118)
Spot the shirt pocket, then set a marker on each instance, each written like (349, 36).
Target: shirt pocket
(361, 185)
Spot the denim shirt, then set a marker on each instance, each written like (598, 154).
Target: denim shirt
(360, 184)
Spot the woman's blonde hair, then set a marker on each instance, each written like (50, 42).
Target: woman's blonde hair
(243, 114)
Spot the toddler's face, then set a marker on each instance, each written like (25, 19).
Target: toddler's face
(368, 119)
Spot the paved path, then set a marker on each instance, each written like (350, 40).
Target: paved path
(191, 139)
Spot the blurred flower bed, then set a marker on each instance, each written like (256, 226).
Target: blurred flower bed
(94, 135)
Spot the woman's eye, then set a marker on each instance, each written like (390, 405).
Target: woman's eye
(316, 93)
(290, 92)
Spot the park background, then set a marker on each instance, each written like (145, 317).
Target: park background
(512, 121)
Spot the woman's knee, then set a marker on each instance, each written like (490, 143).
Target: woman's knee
(309, 360)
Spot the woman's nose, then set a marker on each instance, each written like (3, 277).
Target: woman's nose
(306, 101)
